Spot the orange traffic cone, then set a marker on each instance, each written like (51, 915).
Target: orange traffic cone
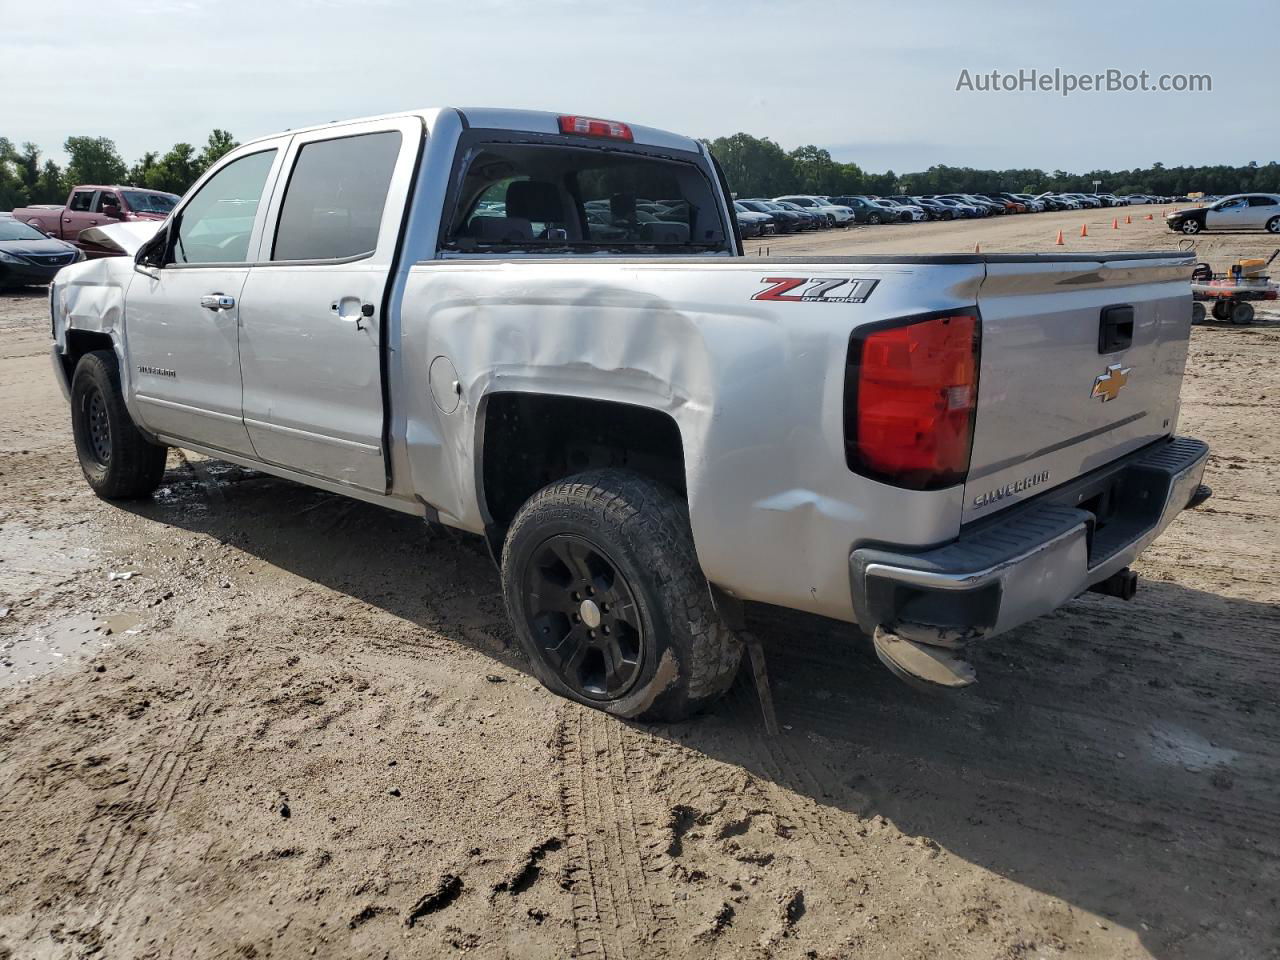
(977, 248)
(1084, 229)
(1058, 242)
(1115, 223)
(1149, 217)
(1128, 219)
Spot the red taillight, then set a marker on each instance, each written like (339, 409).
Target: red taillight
(591, 127)
(910, 395)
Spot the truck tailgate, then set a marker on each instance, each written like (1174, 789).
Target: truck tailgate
(1081, 363)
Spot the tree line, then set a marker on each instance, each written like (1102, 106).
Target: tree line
(759, 167)
(27, 176)
(754, 167)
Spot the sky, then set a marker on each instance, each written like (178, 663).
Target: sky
(874, 83)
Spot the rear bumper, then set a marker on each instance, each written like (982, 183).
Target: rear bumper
(1029, 559)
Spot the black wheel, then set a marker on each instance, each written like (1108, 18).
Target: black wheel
(604, 590)
(874, 218)
(1241, 312)
(1190, 226)
(1273, 225)
(1197, 312)
(117, 460)
(1222, 310)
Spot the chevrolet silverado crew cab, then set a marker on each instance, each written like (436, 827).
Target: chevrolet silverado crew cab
(542, 329)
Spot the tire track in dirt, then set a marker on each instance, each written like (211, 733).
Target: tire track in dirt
(122, 853)
(616, 914)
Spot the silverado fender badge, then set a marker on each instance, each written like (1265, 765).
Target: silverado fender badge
(1009, 489)
(158, 371)
(819, 289)
(1107, 387)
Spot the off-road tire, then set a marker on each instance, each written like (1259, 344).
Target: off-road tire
(1222, 310)
(1241, 313)
(124, 464)
(689, 654)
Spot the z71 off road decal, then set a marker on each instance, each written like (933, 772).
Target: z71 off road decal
(816, 289)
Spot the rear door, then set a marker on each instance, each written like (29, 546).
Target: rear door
(311, 312)
(1261, 211)
(1081, 363)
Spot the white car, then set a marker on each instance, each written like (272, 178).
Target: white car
(1244, 211)
(903, 212)
(833, 212)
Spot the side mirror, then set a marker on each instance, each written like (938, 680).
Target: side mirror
(150, 256)
(112, 211)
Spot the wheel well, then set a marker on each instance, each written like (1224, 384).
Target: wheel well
(80, 342)
(532, 440)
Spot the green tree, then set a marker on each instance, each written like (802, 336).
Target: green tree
(94, 160)
(52, 186)
(220, 142)
(175, 171)
(12, 193)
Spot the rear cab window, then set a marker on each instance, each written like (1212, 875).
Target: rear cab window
(81, 201)
(539, 194)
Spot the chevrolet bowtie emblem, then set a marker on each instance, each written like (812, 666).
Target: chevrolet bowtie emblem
(1107, 387)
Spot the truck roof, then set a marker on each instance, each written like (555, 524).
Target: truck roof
(121, 186)
(498, 118)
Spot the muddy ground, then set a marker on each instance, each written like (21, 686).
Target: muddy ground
(248, 719)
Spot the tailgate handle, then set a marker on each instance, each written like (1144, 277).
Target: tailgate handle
(1115, 330)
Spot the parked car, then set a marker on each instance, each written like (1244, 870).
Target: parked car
(936, 477)
(1085, 200)
(783, 220)
(27, 256)
(915, 210)
(90, 206)
(1244, 211)
(810, 217)
(864, 209)
(1056, 203)
(834, 212)
(751, 222)
(962, 209)
(934, 209)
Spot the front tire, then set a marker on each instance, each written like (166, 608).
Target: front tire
(874, 218)
(117, 460)
(604, 590)
(1273, 225)
(1190, 227)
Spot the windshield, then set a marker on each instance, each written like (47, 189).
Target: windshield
(145, 202)
(17, 230)
(542, 196)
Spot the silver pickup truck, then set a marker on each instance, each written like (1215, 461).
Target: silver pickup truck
(542, 329)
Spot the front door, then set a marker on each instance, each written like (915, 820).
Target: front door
(79, 214)
(181, 318)
(1228, 215)
(311, 312)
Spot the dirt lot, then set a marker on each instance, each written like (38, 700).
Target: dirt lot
(248, 719)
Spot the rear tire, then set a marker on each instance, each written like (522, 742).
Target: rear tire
(1197, 312)
(117, 460)
(874, 218)
(1273, 225)
(1242, 313)
(604, 590)
(1222, 310)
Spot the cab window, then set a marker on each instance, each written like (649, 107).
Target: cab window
(106, 199)
(334, 202)
(215, 227)
(81, 201)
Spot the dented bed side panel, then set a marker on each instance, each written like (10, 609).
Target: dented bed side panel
(754, 386)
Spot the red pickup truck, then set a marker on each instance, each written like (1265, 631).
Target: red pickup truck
(90, 205)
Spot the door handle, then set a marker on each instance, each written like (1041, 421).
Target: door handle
(217, 302)
(366, 312)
